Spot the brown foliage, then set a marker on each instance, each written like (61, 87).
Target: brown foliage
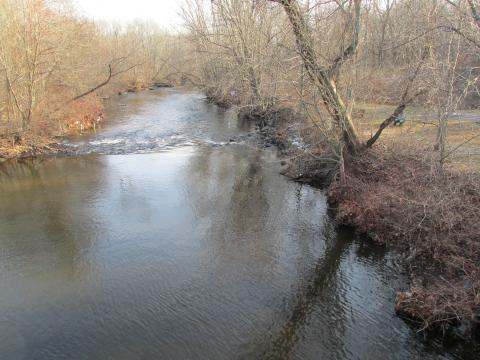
(83, 114)
(26, 145)
(395, 197)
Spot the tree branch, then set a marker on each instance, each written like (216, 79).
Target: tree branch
(405, 100)
(352, 48)
(461, 33)
(111, 75)
(474, 11)
(319, 74)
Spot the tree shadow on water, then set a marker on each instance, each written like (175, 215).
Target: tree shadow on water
(318, 287)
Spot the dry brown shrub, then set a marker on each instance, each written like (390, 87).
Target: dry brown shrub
(396, 197)
(83, 114)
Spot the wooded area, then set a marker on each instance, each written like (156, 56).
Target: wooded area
(55, 66)
(328, 57)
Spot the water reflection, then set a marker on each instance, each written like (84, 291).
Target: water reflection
(40, 216)
(319, 285)
(195, 253)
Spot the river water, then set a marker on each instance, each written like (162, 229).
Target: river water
(170, 237)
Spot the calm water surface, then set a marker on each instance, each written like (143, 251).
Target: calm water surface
(163, 239)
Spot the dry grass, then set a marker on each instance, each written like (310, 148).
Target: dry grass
(79, 116)
(82, 115)
(463, 139)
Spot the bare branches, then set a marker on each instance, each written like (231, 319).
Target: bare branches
(111, 75)
(49, 61)
(471, 14)
(352, 48)
(467, 37)
(321, 52)
(319, 75)
(474, 11)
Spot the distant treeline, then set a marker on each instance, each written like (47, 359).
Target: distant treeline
(372, 47)
(54, 64)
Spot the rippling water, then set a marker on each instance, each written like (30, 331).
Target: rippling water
(147, 124)
(188, 245)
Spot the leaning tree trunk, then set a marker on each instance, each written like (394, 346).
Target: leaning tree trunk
(320, 76)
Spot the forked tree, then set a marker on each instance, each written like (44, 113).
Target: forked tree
(323, 77)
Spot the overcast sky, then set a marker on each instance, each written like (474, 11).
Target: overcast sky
(163, 12)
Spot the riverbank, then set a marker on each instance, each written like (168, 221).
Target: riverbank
(82, 116)
(393, 195)
(28, 146)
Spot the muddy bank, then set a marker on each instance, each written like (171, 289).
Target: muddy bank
(392, 196)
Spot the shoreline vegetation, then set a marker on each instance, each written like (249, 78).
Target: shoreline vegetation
(57, 67)
(400, 213)
(18, 145)
(312, 80)
(309, 76)
(392, 196)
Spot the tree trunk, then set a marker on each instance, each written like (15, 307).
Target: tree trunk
(320, 75)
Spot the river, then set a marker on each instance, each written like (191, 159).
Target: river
(169, 236)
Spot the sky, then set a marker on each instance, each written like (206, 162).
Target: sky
(163, 12)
